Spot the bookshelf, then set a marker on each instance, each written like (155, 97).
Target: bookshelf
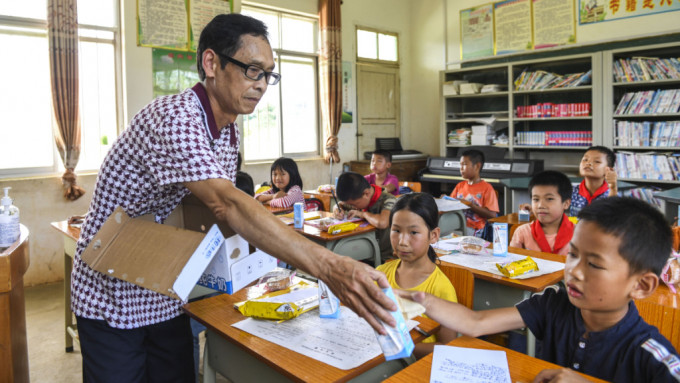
(642, 113)
(542, 106)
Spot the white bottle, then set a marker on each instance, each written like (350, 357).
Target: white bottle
(9, 221)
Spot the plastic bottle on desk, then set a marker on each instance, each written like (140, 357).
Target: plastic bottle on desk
(9, 221)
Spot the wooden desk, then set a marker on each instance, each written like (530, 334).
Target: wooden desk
(405, 170)
(662, 309)
(495, 291)
(71, 235)
(359, 243)
(243, 357)
(513, 222)
(523, 368)
(326, 198)
(278, 210)
(14, 262)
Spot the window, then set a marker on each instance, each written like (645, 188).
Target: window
(28, 123)
(377, 46)
(286, 121)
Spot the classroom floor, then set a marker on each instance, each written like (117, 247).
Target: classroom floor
(47, 360)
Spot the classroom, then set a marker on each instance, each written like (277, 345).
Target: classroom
(429, 45)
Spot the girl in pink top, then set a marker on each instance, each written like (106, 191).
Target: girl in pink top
(286, 185)
(551, 232)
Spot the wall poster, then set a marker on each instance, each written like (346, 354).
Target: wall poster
(554, 23)
(175, 24)
(476, 32)
(173, 71)
(595, 11)
(512, 26)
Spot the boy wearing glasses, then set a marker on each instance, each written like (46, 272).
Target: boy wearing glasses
(177, 145)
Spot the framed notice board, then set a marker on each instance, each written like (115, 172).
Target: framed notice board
(176, 24)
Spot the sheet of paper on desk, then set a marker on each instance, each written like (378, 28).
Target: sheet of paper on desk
(344, 343)
(450, 205)
(488, 263)
(459, 364)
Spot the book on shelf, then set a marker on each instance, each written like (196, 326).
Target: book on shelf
(649, 102)
(648, 166)
(646, 194)
(634, 69)
(540, 79)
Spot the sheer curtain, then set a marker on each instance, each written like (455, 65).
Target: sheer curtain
(62, 31)
(331, 75)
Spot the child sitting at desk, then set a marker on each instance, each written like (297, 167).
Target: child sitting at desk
(475, 193)
(360, 199)
(414, 228)
(381, 162)
(286, 187)
(599, 178)
(551, 232)
(619, 248)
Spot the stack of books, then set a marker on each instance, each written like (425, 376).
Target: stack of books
(645, 194)
(460, 136)
(556, 138)
(481, 135)
(646, 69)
(646, 133)
(649, 101)
(648, 166)
(546, 80)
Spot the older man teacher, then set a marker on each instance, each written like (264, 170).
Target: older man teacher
(181, 144)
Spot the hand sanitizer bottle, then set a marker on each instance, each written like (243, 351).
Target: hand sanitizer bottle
(9, 221)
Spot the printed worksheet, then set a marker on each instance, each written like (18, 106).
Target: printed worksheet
(345, 343)
(459, 364)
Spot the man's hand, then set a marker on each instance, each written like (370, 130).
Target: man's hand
(610, 179)
(561, 375)
(355, 284)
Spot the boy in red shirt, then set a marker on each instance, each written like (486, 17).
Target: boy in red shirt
(475, 193)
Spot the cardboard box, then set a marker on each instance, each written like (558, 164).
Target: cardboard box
(481, 140)
(168, 259)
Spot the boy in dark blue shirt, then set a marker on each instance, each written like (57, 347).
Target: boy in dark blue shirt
(618, 250)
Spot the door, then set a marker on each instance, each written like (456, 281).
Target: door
(378, 108)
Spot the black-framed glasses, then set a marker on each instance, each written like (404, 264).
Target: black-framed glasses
(253, 72)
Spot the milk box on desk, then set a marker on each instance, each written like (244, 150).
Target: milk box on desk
(500, 239)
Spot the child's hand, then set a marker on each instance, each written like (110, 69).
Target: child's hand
(355, 214)
(279, 194)
(610, 179)
(525, 206)
(561, 375)
(338, 213)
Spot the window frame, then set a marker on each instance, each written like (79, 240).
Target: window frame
(278, 54)
(38, 24)
(377, 53)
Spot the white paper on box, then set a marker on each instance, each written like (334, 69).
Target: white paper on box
(202, 257)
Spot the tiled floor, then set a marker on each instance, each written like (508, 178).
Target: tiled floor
(47, 359)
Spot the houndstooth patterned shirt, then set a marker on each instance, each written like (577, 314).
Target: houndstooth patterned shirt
(172, 140)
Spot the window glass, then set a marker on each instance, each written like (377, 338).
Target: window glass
(299, 94)
(32, 9)
(286, 121)
(261, 129)
(387, 45)
(299, 34)
(25, 106)
(367, 44)
(270, 19)
(102, 13)
(97, 102)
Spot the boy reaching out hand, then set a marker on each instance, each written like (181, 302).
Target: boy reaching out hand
(618, 250)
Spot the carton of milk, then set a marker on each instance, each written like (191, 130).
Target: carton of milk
(397, 343)
(500, 239)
